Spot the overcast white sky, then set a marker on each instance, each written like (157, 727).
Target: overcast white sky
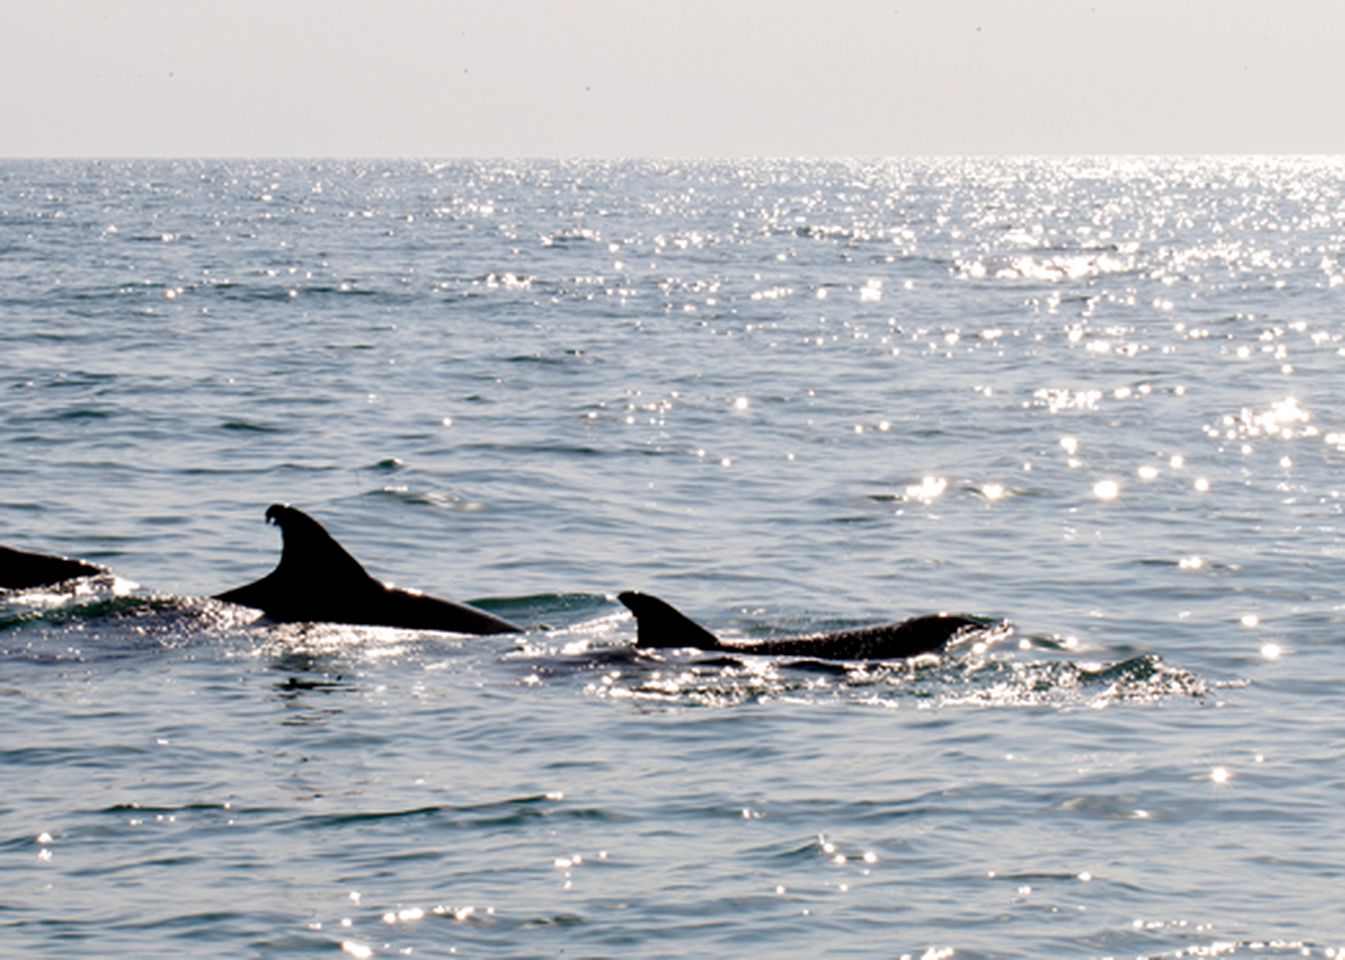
(639, 78)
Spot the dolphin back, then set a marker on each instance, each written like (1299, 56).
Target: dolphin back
(926, 634)
(419, 611)
(20, 570)
(659, 625)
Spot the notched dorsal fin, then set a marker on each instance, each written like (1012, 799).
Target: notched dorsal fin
(317, 580)
(308, 550)
(314, 573)
(659, 624)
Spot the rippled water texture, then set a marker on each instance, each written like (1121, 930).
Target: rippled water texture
(1101, 399)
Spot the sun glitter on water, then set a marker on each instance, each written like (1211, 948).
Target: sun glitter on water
(1106, 490)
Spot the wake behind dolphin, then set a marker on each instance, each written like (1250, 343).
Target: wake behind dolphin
(660, 625)
(316, 580)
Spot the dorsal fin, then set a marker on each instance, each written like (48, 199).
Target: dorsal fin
(315, 579)
(307, 550)
(660, 625)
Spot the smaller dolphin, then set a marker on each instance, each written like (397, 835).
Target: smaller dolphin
(22, 571)
(318, 581)
(659, 625)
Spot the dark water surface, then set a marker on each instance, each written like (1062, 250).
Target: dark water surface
(1100, 398)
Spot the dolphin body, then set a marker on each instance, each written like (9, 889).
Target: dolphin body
(316, 580)
(659, 625)
(23, 571)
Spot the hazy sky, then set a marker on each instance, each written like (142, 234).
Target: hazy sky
(672, 77)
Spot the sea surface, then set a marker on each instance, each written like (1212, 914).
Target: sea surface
(1102, 399)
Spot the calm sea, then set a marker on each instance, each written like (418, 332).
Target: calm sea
(1101, 398)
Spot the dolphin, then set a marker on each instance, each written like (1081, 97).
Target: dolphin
(22, 571)
(316, 580)
(660, 625)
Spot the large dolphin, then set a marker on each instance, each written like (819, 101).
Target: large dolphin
(23, 571)
(317, 580)
(659, 625)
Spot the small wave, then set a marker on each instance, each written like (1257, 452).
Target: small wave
(540, 449)
(510, 812)
(93, 626)
(570, 236)
(24, 605)
(568, 359)
(1066, 683)
(247, 426)
(565, 610)
(1062, 266)
(426, 498)
(1233, 948)
(83, 413)
(280, 292)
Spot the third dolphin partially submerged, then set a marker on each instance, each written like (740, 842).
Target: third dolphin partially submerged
(317, 580)
(660, 625)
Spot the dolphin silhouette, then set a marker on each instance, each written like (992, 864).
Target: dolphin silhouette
(660, 625)
(316, 580)
(21, 571)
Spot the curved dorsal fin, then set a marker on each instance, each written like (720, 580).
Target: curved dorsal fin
(660, 625)
(314, 578)
(308, 550)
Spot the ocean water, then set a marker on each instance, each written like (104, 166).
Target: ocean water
(1099, 398)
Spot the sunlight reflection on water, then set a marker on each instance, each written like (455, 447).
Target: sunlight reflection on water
(1093, 396)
